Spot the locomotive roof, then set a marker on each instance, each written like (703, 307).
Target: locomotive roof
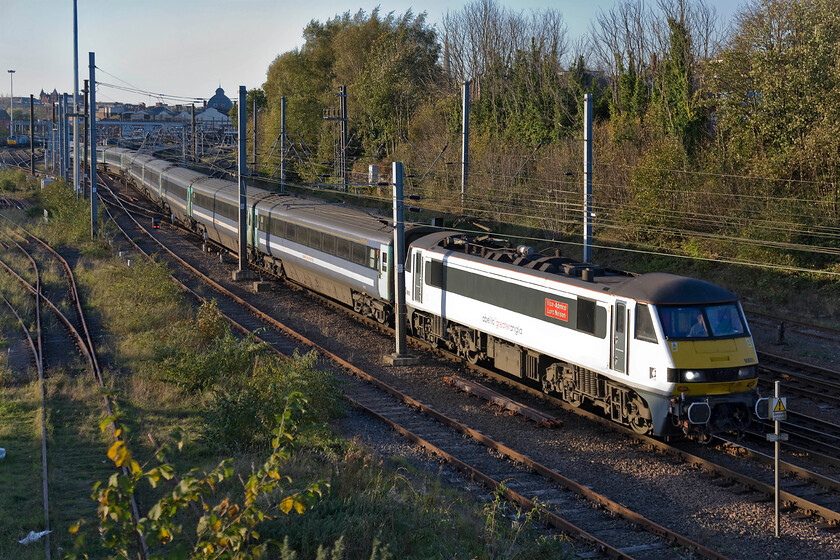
(669, 289)
(658, 288)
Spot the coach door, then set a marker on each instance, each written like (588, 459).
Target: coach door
(619, 334)
(385, 276)
(417, 269)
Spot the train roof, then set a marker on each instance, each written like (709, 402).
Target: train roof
(185, 175)
(160, 165)
(114, 149)
(338, 218)
(661, 288)
(657, 288)
(225, 190)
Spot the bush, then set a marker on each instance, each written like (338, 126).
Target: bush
(246, 384)
(14, 181)
(69, 215)
(244, 408)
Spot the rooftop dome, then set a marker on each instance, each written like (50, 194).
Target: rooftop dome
(220, 102)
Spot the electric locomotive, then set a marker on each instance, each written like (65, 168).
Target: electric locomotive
(657, 352)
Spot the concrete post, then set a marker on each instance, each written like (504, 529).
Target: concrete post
(465, 139)
(587, 178)
(92, 97)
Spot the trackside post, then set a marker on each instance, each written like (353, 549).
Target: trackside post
(92, 97)
(400, 357)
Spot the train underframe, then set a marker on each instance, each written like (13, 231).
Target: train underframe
(573, 384)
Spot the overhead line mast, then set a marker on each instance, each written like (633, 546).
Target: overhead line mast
(76, 163)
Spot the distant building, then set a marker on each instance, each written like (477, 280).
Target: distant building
(111, 111)
(141, 115)
(220, 102)
(48, 98)
(213, 117)
(5, 121)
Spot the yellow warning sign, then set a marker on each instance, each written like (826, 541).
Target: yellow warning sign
(779, 409)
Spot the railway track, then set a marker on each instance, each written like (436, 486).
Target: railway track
(37, 348)
(799, 379)
(819, 439)
(75, 325)
(822, 332)
(18, 158)
(520, 478)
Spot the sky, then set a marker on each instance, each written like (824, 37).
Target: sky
(189, 48)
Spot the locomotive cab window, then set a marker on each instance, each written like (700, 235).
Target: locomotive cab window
(699, 322)
(644, 324)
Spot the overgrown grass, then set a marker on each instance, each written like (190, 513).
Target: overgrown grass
(14, 182)
(21, 498)
(408, 512)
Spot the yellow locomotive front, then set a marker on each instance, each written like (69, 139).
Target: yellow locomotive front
(713, 373)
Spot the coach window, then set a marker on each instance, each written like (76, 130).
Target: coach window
(278, 228)
(315, 239)
(302, 235)
(328, 243)
(372, 258)
(586, 315)
(644, 324)
(342, 248)
(359, 253)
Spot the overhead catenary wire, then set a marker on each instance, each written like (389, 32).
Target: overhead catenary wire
(529, 194)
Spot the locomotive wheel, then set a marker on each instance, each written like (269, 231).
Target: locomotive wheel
(638, 415)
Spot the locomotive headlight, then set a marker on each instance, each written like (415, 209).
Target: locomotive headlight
(746, 372)
(692, 376)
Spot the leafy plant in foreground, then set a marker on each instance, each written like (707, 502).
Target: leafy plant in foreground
(227, 528)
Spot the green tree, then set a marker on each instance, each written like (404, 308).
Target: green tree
(631, 101)
(777, 107)
(675, 99)
(387, 63)
(399, 76)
